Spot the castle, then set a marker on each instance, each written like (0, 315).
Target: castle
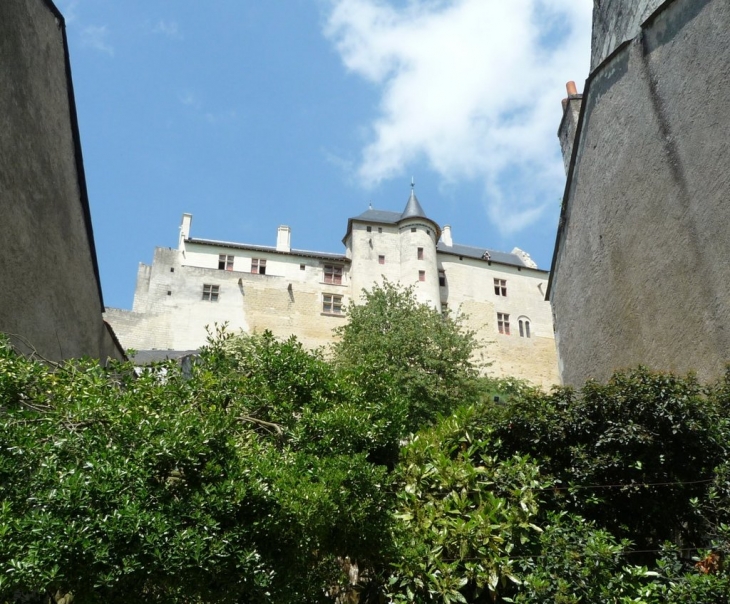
(290, 291)
(641, 271)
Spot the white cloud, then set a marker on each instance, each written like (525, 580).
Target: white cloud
(96, 37)
(69, 11)
(473, 87)
(167, 28)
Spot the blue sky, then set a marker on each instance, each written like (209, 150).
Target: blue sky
(254, 113)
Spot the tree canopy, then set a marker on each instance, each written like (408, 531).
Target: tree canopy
(381, 472)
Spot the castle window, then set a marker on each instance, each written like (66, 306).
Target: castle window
(500, 287)
(225, 263)
(503, 323)
(369, 229)
(524, 328)
(333, 274)
(442, 278)
(381, 259)
(413, 229)
(302, 267)
(258, 266)
(420, 253)
(380, 229)
(421, 275)
(331, 304)
(210, 293)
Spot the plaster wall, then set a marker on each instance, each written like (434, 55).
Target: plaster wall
(171, 313)
(641, 270)
(367, 247)
(50, 294)
(614, 22)
(469, 292)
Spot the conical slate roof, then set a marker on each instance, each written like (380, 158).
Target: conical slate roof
(413, 208)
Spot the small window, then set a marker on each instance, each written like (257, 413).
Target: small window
(333, 274)
(442, 278)
(332, 304)
(380, 229)
(413, 229)
(421, 275)
(503, 323)
(210, 293)
(524, 328)
(225, 263)
(302, 267)
(258, 266)
(381, 259)
(369, 229)
(420, 253)
(172, 270)
(500, 287)
(169, 292)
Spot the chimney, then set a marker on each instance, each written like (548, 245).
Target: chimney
(283, 239)
(187, 220)
(446, 236)
(569, 123)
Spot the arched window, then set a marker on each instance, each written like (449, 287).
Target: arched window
(524, 324)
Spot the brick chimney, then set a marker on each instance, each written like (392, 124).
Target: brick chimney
(569, 123)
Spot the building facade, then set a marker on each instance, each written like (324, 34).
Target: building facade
(641, 271)
(50, 299)
(289, 291)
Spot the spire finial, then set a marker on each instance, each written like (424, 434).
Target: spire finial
(413, 183)
(370, 206)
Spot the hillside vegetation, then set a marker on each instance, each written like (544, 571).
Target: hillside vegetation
(381, 472)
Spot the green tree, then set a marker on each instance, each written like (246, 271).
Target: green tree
(405, 353)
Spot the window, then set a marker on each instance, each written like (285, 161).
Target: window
(302, 267)
(225, 263)
(421, 275)
(381, 259)
(420, 253)
(442, 278)
(210, 293)
(332, 304)
(500, 287)
(503, 323)
(333, 274)
(413, 230)
(524, 328)
(380, 229)
(369, 229)
(258, 266)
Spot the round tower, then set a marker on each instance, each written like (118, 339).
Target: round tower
(418, 236)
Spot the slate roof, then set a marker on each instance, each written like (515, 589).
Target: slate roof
(477, 253)
(413, 208)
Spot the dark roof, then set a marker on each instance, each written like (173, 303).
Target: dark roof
(477, 253)
(382, 216)
(270, 249)
(413, 208)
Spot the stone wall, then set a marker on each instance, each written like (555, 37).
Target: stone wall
(50, 294)
(641, 268)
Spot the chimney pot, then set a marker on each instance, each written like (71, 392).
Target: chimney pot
(570, 87)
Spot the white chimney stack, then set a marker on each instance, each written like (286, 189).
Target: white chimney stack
(283, 239)
(446, 235)
(187, 220)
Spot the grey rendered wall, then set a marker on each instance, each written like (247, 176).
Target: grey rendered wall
(642, 269)
(50, 291)
(615, 21)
